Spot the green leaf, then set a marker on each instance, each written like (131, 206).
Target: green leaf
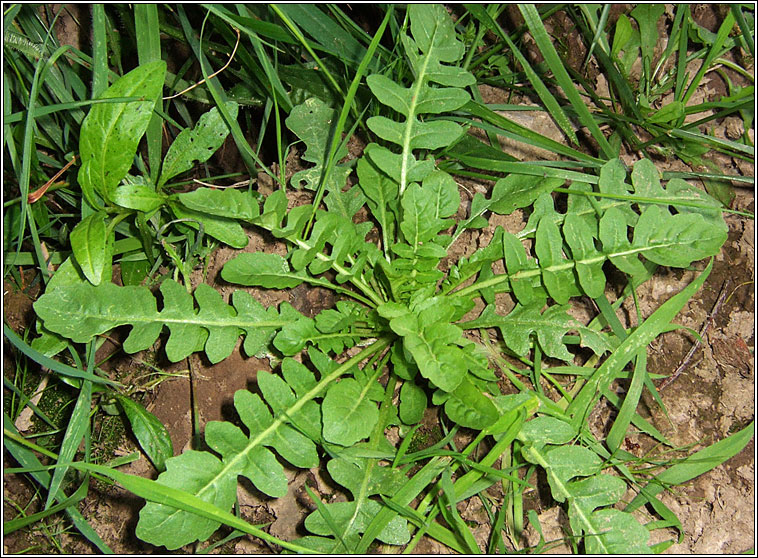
(425, 135)
(616, 532)
(226, 230)
(647, 16)
(111, 132)
(345, 513)
(191, 504)
(262, 270)
(312, 122)
(295, 335)
(556, 275)
(288, 442)
(214, 480)
(517, 261)
(425, 206)
(589, 266)
(215, 326)
(349, 416)
(366, 476)
(151, 434)
(608, 531)
(382, 195)
(434, 31)
(469, 407)
(196, 144)
(522, 321)
(413, 402)
(622, 35)
(676, 240)
(89, 242)
(670, 112)
(614, 237)
(519, 190)
(435, 38)
(197, 473)
(229, 203)
(547, 430)
(401, 99)
(139, 197)
(392, 164)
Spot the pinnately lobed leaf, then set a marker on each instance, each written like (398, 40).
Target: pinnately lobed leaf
(215, 327)
(435, 38)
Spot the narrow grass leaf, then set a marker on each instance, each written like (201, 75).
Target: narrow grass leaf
(99, 51)
(695, 465)
(629, 407)
(551, 103)
(51, 364)
(147, 31)
(459, 526)
(28, 459)
(18, 523)
(723, 33)
(541, 37)
(641, 338)
(75, 431)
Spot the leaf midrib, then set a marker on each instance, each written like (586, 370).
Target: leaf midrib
(567, 264)
(231, 465)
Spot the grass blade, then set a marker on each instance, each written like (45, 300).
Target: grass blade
(336, 139)
(695, 465)
(629, 407)
(551, 103)
(148, 50)
(403, 497)
(51, 364)
(99, 51)
(26, 458)
(747, 37)
(16, 524)
(156, 492)
(78, 428)
(721, 36)
(539, 33)
(641, 338)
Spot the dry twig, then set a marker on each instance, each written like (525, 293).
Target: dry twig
(708, 321)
